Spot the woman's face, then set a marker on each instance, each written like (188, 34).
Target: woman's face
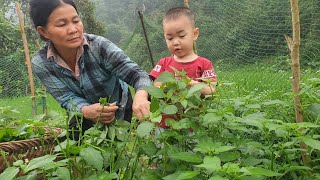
(64, 28)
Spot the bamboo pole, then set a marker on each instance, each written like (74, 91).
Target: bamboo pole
(186, 4)
(28, 62)
(294, 47)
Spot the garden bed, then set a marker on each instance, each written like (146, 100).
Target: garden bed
(28, 149)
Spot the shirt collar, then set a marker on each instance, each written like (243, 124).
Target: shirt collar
(53, 53)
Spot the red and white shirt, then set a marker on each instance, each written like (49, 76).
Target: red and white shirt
(198, 68)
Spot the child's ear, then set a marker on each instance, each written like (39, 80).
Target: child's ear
(195, 33)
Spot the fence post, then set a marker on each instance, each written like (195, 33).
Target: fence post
(28, 62)
(140, 12)
(294, 47)
(186, 4)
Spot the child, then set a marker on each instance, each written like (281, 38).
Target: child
(180, 33)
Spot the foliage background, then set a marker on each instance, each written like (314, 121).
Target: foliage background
(244, 39)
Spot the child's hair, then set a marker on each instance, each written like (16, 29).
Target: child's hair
(176, 12)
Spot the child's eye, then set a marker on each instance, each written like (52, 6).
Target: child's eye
(182, 36)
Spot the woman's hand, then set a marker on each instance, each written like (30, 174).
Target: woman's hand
(141, 105)
(100, 114)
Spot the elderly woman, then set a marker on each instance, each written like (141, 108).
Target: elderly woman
(78, 68)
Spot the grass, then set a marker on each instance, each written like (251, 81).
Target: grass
(23, 105)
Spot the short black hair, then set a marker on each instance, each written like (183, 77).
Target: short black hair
(40, 10)
(176, 12)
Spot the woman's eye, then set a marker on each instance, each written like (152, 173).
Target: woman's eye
(60, 25)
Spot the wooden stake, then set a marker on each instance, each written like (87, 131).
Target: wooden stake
(186, 3)
(294, 47)
(28, 62)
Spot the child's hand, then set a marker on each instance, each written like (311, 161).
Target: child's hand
(192, 83)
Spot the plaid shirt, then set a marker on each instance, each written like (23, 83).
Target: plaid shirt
(105, 71)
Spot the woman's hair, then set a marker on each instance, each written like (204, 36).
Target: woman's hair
(176, 12)
(40, 10)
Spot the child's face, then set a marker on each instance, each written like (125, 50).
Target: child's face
(180, 35)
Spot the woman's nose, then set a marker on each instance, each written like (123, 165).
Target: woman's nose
(72, 29)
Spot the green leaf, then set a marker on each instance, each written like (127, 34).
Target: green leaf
(157, 119)
(184, 103)
(92, 157)
(223, 149)
(9, 173)
(166, 77)
(307, 125)
(253, 120)
(314, 109)
(211, 163)
(272, 102)
(121, 133)
(103, 176)
(258, 171)
(39, 162)
(229, 156)
(196, 88)
(155, 91)
(231, 168)
(170, 109)
(250, 161)
(211, 118)
(295, 168)
(253, 106)
(18, 163)
(111, 133)
(64, 145)
(187, 156)
(150, 148)
(63, 173)
(144, 128)
(217, 177)
(315, 144)
(180, 175)
(154, 106)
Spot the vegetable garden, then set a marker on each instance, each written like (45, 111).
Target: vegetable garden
(248, 129)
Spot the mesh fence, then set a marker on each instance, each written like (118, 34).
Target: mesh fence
(244, 39)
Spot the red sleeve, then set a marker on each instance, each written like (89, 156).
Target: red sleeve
(157, 70)
(208, 71)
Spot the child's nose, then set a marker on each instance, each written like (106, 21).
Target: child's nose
(176, 41)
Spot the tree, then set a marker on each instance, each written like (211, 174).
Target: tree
(86, 10)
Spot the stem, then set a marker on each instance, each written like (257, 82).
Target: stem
(134, 146)
(126, 140)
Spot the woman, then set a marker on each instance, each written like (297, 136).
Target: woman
(78, 68)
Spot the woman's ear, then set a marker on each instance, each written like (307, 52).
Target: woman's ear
(42, 31)
(195, 33)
